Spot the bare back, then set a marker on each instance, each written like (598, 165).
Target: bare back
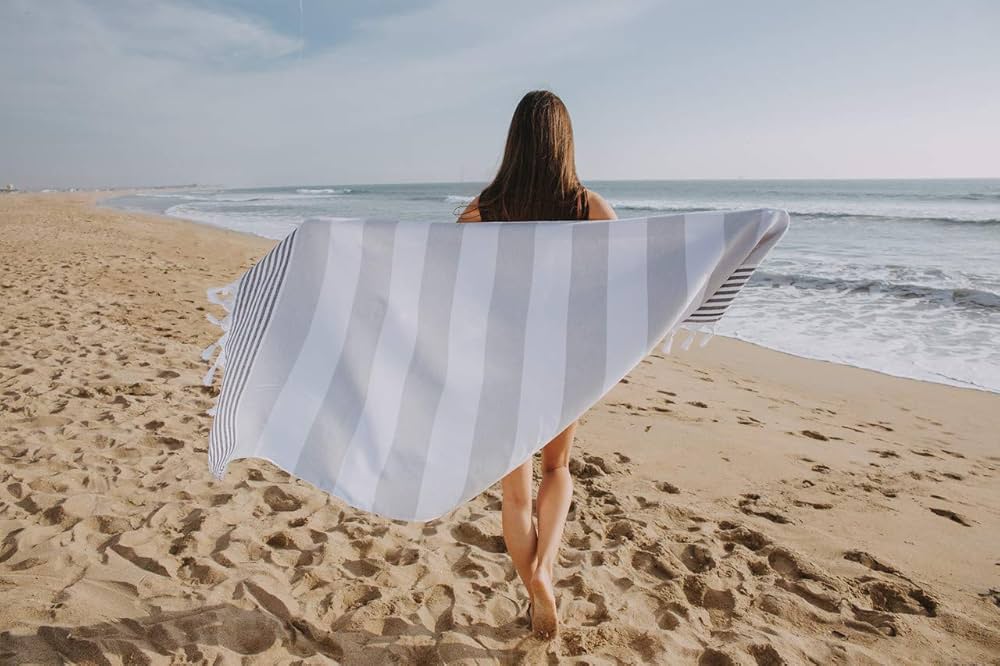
(596, 207)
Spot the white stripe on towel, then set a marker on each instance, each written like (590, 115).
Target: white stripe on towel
(301, 396)
(456, 419)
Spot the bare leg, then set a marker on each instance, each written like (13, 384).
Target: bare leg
(555, 492)
(518, 528)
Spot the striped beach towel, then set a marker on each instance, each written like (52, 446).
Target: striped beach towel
(405, 367)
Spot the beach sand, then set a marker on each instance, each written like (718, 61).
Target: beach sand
(733, 505)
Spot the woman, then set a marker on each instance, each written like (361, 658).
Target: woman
(537, 181)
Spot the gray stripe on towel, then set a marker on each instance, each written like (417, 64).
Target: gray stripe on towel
(666, 281)
(275, 362)
(402, 476)
(586, 318)
(337, 419)
(499, 401)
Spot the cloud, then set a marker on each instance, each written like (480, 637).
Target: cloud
(144, 92)
(37, 33)
(188, 33)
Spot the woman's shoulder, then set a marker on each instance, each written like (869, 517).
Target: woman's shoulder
(471, 212)
(599, 208)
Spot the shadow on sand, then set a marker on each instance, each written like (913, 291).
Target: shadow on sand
(203, 634)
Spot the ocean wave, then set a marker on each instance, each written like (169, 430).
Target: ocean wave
(274, 226)
(458, 199)
(228, 200)
(836, 215)
(209, 199)
(657, 205)
(324, 190)
(172, 195)
(942, 296)
(979, 196)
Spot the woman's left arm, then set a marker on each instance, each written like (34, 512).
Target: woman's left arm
(471, 212)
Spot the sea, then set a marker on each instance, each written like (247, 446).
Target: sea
(898, 276)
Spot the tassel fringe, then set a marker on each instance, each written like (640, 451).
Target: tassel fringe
(690, 333)
(224, 297)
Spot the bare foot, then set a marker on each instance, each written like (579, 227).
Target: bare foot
(543, 607)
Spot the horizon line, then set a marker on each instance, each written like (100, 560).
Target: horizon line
(475, 182)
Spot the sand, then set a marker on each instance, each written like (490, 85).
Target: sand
(733, 505)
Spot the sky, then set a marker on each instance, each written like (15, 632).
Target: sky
(97, 93)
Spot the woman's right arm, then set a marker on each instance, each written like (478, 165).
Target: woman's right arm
(599, 209)
(471, 212)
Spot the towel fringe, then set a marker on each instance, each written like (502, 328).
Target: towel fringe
(668, 341)
(691, 332)
(224, 297)
(709, 332)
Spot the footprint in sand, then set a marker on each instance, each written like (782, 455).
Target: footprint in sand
(697, 558)
(894, 598)
(813, 505)
(765, 655)
(402, 557)
(720, 604)
(991, 595)
(750, 505)
(466, 567)
(472, 535)
(869, 561)
(653, 565)
(666, 614)
(200, 573)
(362, 568)
(714, 657)
(279, 500)
(591, 466)
(733, 533)
(951, 515)
(667, 487)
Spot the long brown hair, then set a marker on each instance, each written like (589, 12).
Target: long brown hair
(537, 178)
